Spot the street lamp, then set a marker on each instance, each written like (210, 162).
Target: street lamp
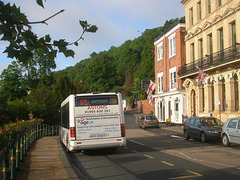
(219, 103)
(30, 115)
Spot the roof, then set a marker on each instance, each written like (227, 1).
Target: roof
(171, 27)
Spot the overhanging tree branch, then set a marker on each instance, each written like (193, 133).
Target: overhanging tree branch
(45, 20)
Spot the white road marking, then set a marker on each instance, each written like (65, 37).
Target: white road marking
(210, 162)
(136, 142)
(179, 137)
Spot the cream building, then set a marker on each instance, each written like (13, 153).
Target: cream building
(213, 45)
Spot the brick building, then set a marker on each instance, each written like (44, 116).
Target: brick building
(170, 97)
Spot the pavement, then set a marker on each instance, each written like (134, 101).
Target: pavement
(47, 160)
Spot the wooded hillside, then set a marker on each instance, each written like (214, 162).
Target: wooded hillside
(123, 66)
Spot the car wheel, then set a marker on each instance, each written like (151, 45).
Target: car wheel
(203, 137)
(225, 140)
(144, 126)
(186, 135)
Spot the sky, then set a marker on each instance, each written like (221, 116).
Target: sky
(117, 22)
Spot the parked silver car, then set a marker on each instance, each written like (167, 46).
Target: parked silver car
(231, 132)
(148, 121)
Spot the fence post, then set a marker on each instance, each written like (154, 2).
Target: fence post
(21, 147)
(40, 129)
(13, 165)
(49, 130)
(24, 143)
(45, 130)
(58, 129)
(35, 133)
(6, 164)
(30, 138)
(18, 150)
(27, 140)
(52, 130)
(37, 130)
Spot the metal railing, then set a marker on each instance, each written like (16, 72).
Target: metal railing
(227, 55)
(11, 155)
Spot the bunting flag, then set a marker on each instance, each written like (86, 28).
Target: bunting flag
(220, 77)
(201, 76)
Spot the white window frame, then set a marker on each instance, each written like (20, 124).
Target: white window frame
(173, 79)
(172, 45)
(160, 51)
(160, 82)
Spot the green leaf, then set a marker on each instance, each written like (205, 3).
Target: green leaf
(52, 55)
(40, 3)
(62, 48)
(84, 24)
(92, 29)
(61, 42)
(47, 38)
(69, 53)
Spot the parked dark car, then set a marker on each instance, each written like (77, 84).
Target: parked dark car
(148, 121)
(204, 128)
(231, 132)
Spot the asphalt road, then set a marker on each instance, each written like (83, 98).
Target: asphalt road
(159, 154)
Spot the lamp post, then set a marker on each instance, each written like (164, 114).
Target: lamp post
(219, 103)
(30, 115)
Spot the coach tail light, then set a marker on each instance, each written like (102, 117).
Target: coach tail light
(123, 134)
(72, 133)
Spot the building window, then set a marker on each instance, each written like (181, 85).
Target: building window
(172, 46)
(176, 105)
(219, 2)
(236, 92)
(210, 44)
(193, 54)
(221, 42)
(199, 10)
(209, 6)
(160, 82)
(233, 35)
(210, 47)
(173, 78)
(160, 51)
(200, 43)
(191, 16)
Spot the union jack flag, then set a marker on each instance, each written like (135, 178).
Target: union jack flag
(201, 76)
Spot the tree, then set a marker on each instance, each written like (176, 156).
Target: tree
(62, 89)
(16, 29)
(19, 109)
(38, 68)
(4, 112)
(42, 104)
(10, 83)
(127, 64)
(101, 73)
